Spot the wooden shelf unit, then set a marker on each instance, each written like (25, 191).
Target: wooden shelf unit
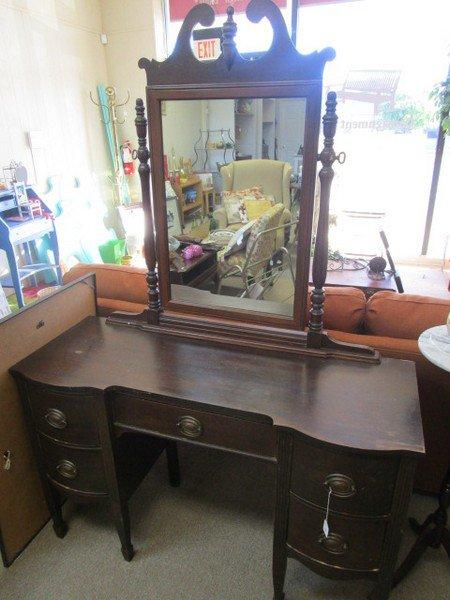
(180, 190)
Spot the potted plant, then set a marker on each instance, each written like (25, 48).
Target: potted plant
(440, 94)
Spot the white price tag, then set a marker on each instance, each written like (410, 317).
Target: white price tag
(326, 527)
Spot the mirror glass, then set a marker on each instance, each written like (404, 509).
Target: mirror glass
(233, 170)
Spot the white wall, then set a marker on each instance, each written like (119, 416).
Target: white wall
(135, 30)
(181, 125)
(50, 57)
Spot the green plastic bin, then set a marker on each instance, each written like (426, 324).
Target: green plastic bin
(112, 252)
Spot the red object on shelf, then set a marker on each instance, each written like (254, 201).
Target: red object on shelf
(127, 158)
(178, 9)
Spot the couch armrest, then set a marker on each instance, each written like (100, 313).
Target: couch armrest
(117, 282)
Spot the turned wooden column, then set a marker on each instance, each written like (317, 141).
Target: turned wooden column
(143, 154)
(320, 262)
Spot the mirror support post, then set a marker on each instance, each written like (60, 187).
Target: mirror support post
(143, 154)
(320, 262)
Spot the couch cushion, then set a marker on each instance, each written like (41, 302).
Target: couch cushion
(119, 282)
(344, 308)
(404, 316)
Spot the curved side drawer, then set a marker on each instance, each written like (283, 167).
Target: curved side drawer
(64, 415)
(353, 544)
(361, 484)
(74, 468)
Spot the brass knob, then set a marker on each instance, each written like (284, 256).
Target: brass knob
(56, 419)
(340, 485)
(334, 543)
(67, 469)
(190, 427)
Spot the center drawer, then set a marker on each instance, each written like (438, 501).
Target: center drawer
(242, 435)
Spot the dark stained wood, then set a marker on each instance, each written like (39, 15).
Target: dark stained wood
(432, 533)
(307, 394)
(153, 414)
(371, 481)
(280, 63)
(78, 423)
(284, 466)
(80, 469)
(90, 463)
(280, 72)
(355, 547)
(317, 338)
(320, 262)
(350, 427)
(149, 237)
(194, 272)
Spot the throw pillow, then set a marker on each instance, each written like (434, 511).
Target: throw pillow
(233, 200)
(255, 208)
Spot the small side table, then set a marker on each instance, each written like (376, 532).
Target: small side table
(195, 272)
(433, 532)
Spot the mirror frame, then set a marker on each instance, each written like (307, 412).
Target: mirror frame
(311, 92)
(281, 72)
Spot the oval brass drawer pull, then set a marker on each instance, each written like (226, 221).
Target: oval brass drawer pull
(340, 485)
(56, 419)
(334, 543)
(67, 469)
(190, 427)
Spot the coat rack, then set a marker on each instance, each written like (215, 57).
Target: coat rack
(110, 119)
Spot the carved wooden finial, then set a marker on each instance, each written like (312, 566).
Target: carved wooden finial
(143, 152)
(229, 31)
(143, 155)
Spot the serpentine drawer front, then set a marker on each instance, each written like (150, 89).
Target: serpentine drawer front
(353, 543)
(64, 415)
(360, 485)
(213, 429)
(78, 469)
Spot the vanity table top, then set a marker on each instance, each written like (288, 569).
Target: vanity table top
(351, 404)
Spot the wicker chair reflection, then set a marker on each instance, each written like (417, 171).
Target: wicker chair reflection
(262, 263)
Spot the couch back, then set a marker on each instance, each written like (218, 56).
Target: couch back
(387, 314)
(404, 316)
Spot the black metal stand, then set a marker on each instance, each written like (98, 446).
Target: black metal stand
(431, 534)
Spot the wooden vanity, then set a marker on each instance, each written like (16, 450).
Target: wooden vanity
(104, 399)
(352, 428)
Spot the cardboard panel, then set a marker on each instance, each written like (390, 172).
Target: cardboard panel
(22, 507)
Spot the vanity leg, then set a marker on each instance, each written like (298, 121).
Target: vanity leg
(279, 574)
(173, 464)
(279, 557)
(122, 521)
(54, 503)
(382, 590)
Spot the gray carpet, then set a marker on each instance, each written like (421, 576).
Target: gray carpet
(202, 541)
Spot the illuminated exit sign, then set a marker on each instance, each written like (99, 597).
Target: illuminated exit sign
(207, 49)
(206, 43)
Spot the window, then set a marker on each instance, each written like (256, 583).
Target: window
(390, 55)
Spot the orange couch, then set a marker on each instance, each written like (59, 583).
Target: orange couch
(387, 321)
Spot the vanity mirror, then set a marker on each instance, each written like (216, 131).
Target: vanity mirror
(233, 196)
